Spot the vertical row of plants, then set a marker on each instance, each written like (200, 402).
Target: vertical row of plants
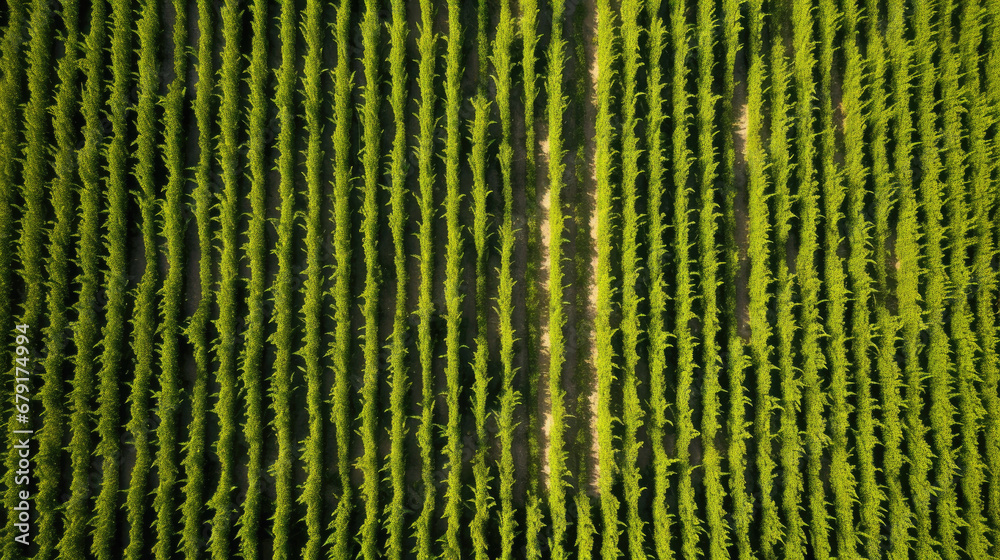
(605, 352)
(908, 246)
(791, 385)
(509, 395)
(12, 66)
(198, 327)
(173, 229)
(30, 243)
(985, 200)
(656, 331)
(630, 326)
(399, 380)
(736, 346)
(342, 301)
(856, 123)
(252, 358)
(280, 387)
(229, 273)
(842, 480)
(887, 188)
(946, 277)
(533, 235)
(759, 284)
(987, 243)
(427, 47)
(115, 282)
(144, 318)
(313, 302)
(683, 298)
(963, 217)
(557, 319)
(452, 283)
(708, 277)
(583, 275)
(907, 278)
(480, 393)
(60, 245)
(809, 283)
(85, 329)
(372, 169)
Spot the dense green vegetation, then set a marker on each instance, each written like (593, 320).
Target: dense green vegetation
(561, 279)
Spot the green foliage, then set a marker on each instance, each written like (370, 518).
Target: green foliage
(342, 301)
(452, 284)
(252, 357)
(791, 384)
(145, 317)
(311, 351)
(656, 331)
(509, 396)
(85, 330)
(842, 479)
(280, 387)
(557, 319)
(605, 351)
(198, 327)
(759, 284)
(50, 393)
(229, 272)
(856, 123)
(115, 279)
(427, 46)
(399, 379)
(371, 154)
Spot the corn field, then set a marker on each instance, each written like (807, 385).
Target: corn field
(500, 279)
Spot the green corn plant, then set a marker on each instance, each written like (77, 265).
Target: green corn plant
(856, 122)
(427, 46)
(311, 494)
(229, 272)
(371, 153)
(529, 54)
(583, 372)
(85, 330)
(759, 284)
(340, 351)
(60, 244)
(605, 289)
(656, 330)
(399, 376)
(452, 284)
(791, 385)
(708, 258)
(886, 189)
(252, 356)
(908, 277)
(198, 327)
(509, 395)
(940, 363)
(480, 191)
(842, 479)
(115, 279)
(814, 401)
(736, 345)
(11, 86)
(630, 327)
(983, 231)
(556, 108)
(30, 242)
(280, 387)
(145, 317)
